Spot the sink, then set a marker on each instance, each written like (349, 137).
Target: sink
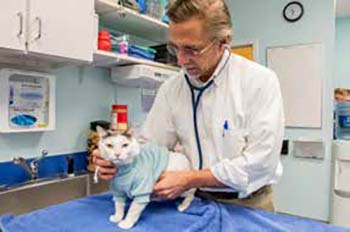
(40, 193)
(33, 183)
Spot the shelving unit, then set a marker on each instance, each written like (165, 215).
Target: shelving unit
(113, 15)
(109, 59)
(119, 18)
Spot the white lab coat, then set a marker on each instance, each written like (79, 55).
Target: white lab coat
(245, 156)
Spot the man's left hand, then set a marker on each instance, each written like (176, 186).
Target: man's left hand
(171, 185)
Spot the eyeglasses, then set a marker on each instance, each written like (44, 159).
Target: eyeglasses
(188, 51)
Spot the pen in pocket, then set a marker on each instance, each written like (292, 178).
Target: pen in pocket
(225, 128)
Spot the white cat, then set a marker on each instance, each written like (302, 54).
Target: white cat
(139, 167)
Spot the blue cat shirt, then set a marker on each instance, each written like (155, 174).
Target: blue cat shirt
(136, 180)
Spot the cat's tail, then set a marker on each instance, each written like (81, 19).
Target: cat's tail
(96, 174)
(189, 196)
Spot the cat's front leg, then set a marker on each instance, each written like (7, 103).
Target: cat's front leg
(119, 212)
(133, 215)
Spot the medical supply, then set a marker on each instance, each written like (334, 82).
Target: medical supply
(155, 9)
(26, 101)
(342, 112)
(142, 5)
(142, 52)
(119, 117)
(104, 40)
(120, 44)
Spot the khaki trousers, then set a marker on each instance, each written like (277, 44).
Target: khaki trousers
(261, 199)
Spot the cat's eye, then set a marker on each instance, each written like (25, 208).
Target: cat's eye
(125, 145)
(109, 145)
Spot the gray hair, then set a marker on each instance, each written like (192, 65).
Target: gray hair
(214, 12)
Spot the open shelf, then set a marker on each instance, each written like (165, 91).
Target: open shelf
(109, 59)
(113, 15)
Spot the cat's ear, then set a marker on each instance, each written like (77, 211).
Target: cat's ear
(129, 132)
(101, 132)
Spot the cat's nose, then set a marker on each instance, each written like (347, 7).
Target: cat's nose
(118, 152)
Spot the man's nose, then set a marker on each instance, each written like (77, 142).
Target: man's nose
(181, 58)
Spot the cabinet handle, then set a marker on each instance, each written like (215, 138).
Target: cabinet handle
(342, 193)
(20, 16)
(39, 28)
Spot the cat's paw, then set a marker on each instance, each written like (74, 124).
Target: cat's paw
(116, 218)
(126, 224)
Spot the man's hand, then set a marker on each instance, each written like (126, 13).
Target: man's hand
(107, 169)
(171, 185)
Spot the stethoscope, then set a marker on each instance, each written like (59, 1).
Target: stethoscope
(195, 103)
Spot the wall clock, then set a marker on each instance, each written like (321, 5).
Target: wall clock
(293, 11)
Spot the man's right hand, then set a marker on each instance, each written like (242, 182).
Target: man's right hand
(107, 169)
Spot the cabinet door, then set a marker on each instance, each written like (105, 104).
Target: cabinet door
(12, 24)
(63, 28)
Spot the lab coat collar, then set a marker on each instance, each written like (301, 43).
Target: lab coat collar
(218, 71)
(221, 68)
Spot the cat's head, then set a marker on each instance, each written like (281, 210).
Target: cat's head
(120, 148)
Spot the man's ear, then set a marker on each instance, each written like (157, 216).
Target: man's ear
(225, 44)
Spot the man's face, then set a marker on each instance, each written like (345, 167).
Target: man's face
(195, 51)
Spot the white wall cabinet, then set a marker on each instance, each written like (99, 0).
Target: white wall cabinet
(12, 24)
(49, 28)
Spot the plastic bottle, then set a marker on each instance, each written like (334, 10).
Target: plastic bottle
(343, 120)
(104, 40)
(154, 9)
(119, 117)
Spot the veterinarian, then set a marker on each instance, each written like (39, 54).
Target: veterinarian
(225, 110)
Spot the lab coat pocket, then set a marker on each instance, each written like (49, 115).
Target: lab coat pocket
(233, 143)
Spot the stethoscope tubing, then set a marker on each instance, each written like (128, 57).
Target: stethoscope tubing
(195, 103)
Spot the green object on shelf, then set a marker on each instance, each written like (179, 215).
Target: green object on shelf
(146, 49)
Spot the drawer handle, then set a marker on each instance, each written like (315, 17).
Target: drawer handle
(20, 16)
(39, 28)
(342, 193)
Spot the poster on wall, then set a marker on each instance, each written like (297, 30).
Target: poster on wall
(300, 70)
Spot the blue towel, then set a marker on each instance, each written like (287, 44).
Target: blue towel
(138, 52)
(91, 214)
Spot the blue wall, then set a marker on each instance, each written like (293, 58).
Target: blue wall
(305, 186)
(83, 94)
(342, 53)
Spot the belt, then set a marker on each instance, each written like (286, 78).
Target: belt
(227, 195)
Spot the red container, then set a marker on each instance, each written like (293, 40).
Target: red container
(119, 117)
(104, 41)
